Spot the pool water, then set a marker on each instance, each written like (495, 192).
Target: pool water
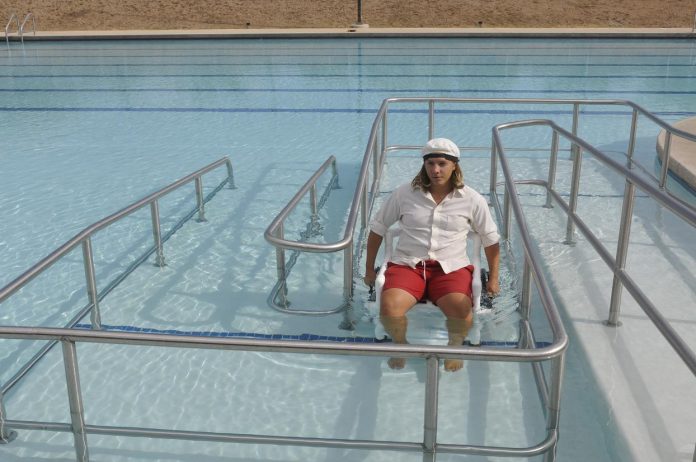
(89, 127)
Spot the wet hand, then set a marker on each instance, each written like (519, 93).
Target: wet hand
(492, 287)
(370, 277)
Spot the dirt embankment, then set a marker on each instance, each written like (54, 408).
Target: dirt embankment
(52, 15)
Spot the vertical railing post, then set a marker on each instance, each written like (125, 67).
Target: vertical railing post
(88, 259)
(359, 12)
(230, 175)
(621, 253)
(77, 412)
(6, 434)
(431, 396)
(574, 190)
(431, 119)
(526, 299)
(632, 139)
(576, 119)
(280, 266)
(553, 161)
(494, 169)
(507, 213)
(363, 207)
(348, 272)
(665, 159)
(554, 404)
(334, 173)
(384, 136)
(157, 234)
(313, 200)
(314, 210)
(199, 200)
(376, 158)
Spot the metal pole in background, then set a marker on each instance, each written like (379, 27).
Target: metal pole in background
(574, 191)
(359, 22)
(88, 259)
(551, 183)
(200, 200)
(621, 253)
(77, 411)
(280, 266)
(632, 139)
(665, 159)
(431, 119)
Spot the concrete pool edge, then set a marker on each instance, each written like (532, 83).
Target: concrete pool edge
(363, 32)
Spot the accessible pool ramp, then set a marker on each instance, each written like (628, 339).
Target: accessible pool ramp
(430, 415)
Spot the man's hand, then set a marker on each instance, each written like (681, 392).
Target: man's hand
(493, 257)
(370, 277)
(492, 287)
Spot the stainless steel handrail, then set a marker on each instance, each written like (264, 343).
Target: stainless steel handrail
(84, 237)
(432, 354)
(621, 277)
(377, 146)
(359, 203)
(375, 155)
(33, 27)
(7, 27)
(156, 250)
(275, 233)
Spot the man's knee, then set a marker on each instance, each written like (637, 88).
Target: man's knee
(396, 302)
(457, 305)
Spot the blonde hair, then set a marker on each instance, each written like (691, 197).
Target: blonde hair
(422, 181)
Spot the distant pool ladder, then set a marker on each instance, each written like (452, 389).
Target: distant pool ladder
(20, 27)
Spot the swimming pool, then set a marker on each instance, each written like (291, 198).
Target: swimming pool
(94, 126)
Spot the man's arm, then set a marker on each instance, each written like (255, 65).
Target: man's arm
(493, 257)
(374, 240)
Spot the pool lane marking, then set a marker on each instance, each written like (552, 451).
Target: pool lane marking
(356, 75)
(329, 90)
(362, 64)
(319, 110)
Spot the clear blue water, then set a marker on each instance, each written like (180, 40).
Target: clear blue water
(89, 127)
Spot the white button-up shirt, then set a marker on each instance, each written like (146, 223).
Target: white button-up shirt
(431, 231)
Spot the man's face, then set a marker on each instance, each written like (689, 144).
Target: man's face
(439, 170)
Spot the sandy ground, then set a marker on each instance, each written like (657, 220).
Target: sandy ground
(52, 15)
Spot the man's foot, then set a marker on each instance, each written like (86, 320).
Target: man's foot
(453, 365)
(396, 363)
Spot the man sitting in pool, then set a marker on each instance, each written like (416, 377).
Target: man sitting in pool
(435, 212)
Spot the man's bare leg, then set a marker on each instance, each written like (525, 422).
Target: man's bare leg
(394, 305)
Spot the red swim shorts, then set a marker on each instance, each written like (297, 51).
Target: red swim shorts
(427, 280)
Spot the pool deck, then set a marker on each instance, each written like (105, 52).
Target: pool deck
(362, 31)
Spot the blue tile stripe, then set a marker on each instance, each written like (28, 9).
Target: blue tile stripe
(351, 64)
(300, 337)
(359, 53)
(319, 110)
(461, 91)
(506, 75)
